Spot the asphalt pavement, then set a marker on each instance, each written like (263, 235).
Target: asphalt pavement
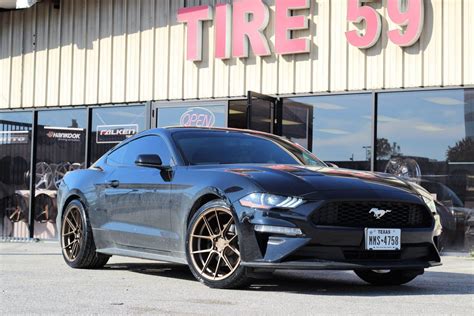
(35, 280)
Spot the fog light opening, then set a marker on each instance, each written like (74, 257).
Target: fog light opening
(278, 230)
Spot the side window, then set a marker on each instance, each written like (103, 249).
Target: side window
(148, 145)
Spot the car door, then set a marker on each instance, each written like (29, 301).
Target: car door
(137, 199)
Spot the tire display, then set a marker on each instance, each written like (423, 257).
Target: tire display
(45, 208)
(403, 167)
(16, 208)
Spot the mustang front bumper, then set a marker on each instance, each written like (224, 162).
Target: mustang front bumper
(325, 247)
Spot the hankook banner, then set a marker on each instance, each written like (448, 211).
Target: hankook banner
(64, 134)
(110, 134)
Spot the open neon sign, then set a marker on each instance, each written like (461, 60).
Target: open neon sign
(242, 25)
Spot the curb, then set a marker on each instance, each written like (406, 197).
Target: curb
(19, 240)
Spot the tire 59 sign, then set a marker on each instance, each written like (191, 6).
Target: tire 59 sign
(242, 25)
(410, 20)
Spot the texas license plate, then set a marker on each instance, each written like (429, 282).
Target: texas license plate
(382, 239)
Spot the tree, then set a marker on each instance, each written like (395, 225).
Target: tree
(463, 151)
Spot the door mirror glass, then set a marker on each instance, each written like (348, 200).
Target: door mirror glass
(152, 161)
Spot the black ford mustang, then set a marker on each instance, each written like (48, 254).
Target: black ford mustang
(233, 203)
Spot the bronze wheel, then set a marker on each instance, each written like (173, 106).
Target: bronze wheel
(213, 244)
(72, 233)
(77, 241)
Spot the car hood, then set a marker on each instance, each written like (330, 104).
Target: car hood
(326, 183)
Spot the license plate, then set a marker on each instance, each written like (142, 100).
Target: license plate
(382, 239)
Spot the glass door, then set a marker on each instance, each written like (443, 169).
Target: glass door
(263, 113)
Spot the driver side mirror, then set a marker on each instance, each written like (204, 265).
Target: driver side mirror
(149, 161)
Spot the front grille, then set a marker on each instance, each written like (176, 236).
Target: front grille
(357, 214)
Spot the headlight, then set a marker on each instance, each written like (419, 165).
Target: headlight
(268, 201)
(431, 204)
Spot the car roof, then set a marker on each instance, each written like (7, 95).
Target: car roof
(173, 129)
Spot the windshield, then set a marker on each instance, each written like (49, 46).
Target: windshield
(229, 147)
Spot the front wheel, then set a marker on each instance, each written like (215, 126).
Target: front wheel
(212, 247)
(77, 241)
(388, 277)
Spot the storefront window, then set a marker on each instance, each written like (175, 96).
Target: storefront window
(428, 137)
(60, 149)
(112, 125)
(336, 128)
(196, 115)
(15, 150)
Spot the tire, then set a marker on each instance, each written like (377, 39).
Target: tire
(77, 242)
(393, 277)
(217, 261)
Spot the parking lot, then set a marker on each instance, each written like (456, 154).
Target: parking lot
(34, 279)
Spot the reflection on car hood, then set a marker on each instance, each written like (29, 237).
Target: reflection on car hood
(319, 182)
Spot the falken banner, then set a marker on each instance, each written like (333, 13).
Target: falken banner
(114, 134)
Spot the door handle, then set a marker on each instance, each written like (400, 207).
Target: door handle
(114, 183)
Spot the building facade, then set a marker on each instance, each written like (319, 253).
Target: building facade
(382, 85)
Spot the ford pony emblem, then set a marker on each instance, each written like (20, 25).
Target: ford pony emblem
(378, 214)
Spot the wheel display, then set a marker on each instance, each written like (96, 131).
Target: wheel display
(45, 209)
(212, 247)
(77, 242)
(59, 173)
(44, 176)
(403, 167)
(388, 277)
(16, 208)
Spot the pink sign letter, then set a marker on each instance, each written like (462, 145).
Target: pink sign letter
(251, 17)
(284, 44)
(412, 18)
(223, 26)
(356, 13)
(193, 17)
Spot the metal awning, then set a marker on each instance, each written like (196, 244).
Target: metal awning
(17, 4)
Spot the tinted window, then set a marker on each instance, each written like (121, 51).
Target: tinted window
(428, 136)
(61, 148)
(15, 153)
(336, 128)
(112, 125)
(216, 147)
(148, 145)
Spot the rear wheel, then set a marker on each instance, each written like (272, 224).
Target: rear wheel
(212, 247)
(77, 242)
(388, 277)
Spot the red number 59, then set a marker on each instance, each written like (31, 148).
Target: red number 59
(410, 20)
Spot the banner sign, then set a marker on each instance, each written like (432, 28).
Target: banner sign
(114, 134)
(243, 24)
(14, 137)
(64, 134)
